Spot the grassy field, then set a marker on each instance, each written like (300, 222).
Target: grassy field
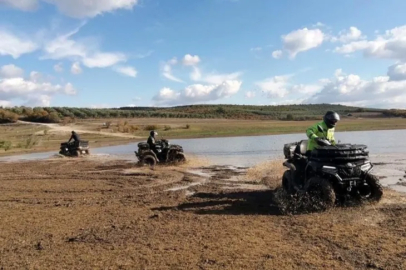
(24, 138)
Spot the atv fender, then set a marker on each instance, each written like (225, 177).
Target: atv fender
(289, 165)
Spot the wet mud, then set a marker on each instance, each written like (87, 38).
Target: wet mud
(111, 214)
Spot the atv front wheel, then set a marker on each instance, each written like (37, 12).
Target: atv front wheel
(148, 160)
(180, 158)
(375, 186)
(286, 182)
(322, 191)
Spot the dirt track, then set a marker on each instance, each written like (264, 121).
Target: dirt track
(105, 214)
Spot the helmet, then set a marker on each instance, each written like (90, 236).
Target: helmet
(331, 118)
(153, 133)
(73, 132)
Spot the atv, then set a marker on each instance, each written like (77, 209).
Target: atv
(165, 153)
(75, 149)
(331, 172)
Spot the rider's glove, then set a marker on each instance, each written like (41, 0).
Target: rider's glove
(321, 142)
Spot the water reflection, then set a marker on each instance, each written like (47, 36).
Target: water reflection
(250, 150)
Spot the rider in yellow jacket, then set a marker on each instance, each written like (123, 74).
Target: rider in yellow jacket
(316, 135)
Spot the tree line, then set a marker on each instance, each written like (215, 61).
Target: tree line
(248, 112)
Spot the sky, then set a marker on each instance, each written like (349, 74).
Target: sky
(113, 53)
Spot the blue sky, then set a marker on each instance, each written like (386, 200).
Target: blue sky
(112, 53)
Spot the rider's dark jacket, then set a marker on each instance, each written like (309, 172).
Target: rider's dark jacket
(74, 137)
(151, 143)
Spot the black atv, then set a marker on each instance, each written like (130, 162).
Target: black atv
(330, 172)
(165, 153)
(75, 149)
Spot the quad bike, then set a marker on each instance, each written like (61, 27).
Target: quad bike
(75, 149)
(165, 153)
(330, 172)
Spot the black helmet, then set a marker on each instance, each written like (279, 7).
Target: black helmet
(73, 132)
(331, 118)
(153, 133)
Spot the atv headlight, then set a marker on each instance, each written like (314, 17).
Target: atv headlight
(366, 167)
(329, 169)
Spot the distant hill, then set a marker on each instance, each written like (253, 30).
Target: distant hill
(281, 112)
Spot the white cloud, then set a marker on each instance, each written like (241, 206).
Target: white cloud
(275, 87)
(167, 70)
(281, 87)
(58, 67)
(196, 74)
(345, 36)
(69, 89)
(100, 106)
(391, 45)
(41, 101)
(256, 49)
(76, 68)
(25, 5)
(11, 71)
(397, 72)
(103, 60)
(75, 8)
(191, 60)
(302, 40)
(219, 78)
(277, 54)
(86, 52)
(197, 93)
(352, 89)
(250, 94)
(15, 46)
(34, 89)
(136, 99)
(144, 55)
(5, 103)
(127, 71)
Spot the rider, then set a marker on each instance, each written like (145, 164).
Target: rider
(151, 141)
(75, 137)
(328, 125)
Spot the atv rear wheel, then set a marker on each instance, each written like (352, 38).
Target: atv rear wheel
(148, 160)
(322, 191)
(375, 186)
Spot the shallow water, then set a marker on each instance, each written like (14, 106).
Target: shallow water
(385, 146)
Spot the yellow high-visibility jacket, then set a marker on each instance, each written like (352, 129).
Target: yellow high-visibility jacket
(313, 133)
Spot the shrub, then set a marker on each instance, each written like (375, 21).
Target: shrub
(187, 126)
(8, 117)
(150, 127)
(133, 128)
(167, 128)
(6, 145)
(67, 120)
(30, 142)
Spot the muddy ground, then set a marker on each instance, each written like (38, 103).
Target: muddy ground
(107, 214)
